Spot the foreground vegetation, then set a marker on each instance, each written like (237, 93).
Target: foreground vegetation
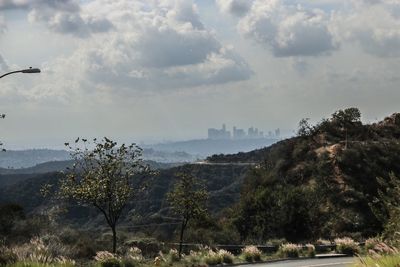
(51, 252)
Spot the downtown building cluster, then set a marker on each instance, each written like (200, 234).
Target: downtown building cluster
(240, 134)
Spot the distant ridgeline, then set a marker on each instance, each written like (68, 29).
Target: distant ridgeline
(27, 158)
(16, 159)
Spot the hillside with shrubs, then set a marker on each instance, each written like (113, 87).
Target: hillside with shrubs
(326, 182)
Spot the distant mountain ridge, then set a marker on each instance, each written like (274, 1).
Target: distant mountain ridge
(31, 158)
(16, 159)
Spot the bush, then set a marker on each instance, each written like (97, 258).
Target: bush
(107, 259)
(7, 257)
(43, 250)
(346, 246)
(290, 250)
(370, 243)
(194, 257)
(134, 254)
(226, 256)
(212, 258)
(172, 256)
(251, 253)
(381, 248)
(310, 250)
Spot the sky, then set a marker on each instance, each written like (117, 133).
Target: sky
(158, 70)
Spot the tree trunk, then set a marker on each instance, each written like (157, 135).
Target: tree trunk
(114, 232)
(183, 226)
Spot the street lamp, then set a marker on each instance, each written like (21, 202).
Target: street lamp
(30, 70)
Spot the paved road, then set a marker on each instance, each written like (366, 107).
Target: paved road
(331, 262)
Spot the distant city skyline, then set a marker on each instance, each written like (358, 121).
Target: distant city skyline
(237, 133)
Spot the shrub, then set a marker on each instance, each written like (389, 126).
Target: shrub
(251, 253)
(290, 250)
(346, 246)
(310, 250)
(172, 256)
(107, 259)
(212, 258)
(7, 257)
(194, 257)
(370, 243)
(381, 248)
(39, 251)
(134, 254)
(226, 256)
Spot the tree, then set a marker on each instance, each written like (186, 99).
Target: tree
(387, 206)
(188, 200)
(305, 128)
(103, 178)
(346, 117)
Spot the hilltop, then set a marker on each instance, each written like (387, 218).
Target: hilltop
(322, 183)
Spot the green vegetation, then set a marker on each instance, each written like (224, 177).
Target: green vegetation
(347, 246)
(188, 201)
(382, 261)
(337, 180)
(103, 177)
(290, 250)
(323, 183)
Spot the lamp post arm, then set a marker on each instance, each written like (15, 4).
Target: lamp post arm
(30, 70)
(10, 73)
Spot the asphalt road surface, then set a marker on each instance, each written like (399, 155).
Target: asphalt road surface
(330, 262)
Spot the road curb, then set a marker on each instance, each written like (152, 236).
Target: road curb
(320, 256)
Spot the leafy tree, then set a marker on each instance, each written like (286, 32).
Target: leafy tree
(387, 205)
(103, 177)
(347, 116)
(188, 200)
(305, 129)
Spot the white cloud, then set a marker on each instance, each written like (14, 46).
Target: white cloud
(155, 46)
(288, 30)
(3, 65)
(374, 24)
(3, 25)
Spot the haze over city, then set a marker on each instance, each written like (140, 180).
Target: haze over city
(168, 70)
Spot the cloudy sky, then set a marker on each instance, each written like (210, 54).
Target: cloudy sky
(152, 70)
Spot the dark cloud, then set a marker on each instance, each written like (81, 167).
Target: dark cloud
(61, 16)
(235, 7)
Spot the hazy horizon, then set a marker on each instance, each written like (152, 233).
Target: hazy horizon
(151, 71)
